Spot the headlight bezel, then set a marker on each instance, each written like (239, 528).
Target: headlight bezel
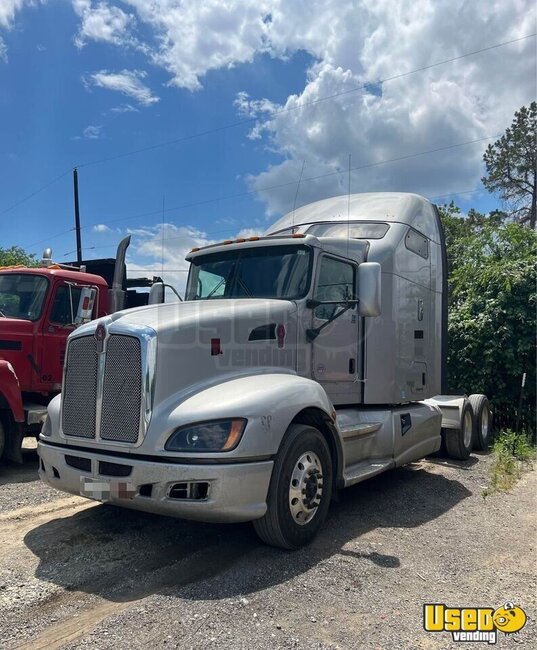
(234, 435)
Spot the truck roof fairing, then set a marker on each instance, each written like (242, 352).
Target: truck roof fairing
(391, 207)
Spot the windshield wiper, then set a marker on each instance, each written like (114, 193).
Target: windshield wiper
(215, 288)
(244, 287)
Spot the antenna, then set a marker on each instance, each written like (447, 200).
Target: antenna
(296, 196)
(77, 217)
(349, 207)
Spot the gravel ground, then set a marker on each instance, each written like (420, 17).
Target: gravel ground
(74, 574)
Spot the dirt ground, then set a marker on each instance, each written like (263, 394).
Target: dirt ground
(75, 574)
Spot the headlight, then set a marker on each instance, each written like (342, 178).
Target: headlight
(218, 435)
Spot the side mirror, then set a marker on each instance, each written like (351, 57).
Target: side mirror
(156, 294)
(369, 274)
(84, 312)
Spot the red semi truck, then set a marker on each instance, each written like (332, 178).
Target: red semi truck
(39, 308)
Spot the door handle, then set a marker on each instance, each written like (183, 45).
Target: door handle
(352, 366)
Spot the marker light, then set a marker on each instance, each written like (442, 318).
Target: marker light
(253, 238)
(298, 235)
(219, 435)
(194, 250)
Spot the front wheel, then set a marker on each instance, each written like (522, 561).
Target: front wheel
(300, 489)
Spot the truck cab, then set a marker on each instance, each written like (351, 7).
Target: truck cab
(301, 362)
(38, 309)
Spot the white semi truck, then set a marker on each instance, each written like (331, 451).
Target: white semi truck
(301, 362)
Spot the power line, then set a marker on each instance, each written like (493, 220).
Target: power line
(274, 113)
(37, 191)
(216, 232)
(268, 188)
(314, 102)
(277, 186)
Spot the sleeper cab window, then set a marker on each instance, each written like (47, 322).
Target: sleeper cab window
(417, 243)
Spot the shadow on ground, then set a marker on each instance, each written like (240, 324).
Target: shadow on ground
(16, 473)
(124, 555)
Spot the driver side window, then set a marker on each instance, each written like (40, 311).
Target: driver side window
(65, 305)
(335, 283)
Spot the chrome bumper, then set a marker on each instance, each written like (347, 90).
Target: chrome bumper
(236, 492)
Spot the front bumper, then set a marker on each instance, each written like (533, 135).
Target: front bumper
(236, 491)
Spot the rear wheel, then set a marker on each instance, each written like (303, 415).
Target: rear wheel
(482, 421)
(459, 441)
(300, 489)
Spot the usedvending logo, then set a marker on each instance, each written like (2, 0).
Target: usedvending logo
(474, 623)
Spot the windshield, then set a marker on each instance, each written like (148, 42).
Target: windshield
(22, 295)
(268, 272)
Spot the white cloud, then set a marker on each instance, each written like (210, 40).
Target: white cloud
(164, 246)
(8, 9)
(352, 43)
(161, 250)
(461, 101)
(128, 82)
(92, 132)
(193, 37)
(249, 232)
(101, 227)
(103, 22)
(124, 108)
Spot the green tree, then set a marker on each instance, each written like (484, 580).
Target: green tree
(511, 164)
(492, 301)
(16, 255)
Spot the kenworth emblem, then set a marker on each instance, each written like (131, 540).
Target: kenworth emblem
(100, 335)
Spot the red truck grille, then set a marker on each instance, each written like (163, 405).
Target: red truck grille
(102, 398)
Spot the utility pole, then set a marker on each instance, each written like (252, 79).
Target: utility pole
(77, 218)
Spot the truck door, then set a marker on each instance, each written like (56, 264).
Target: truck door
(57, 325)
(335, 349)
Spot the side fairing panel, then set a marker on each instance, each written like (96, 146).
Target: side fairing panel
(403, 345)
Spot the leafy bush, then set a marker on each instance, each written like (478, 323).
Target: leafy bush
(512, 452)
(492, 300)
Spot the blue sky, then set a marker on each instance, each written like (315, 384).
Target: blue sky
(82, 81)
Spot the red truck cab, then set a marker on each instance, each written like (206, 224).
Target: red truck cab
(38, 307)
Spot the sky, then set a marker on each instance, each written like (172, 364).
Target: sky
(190, 122)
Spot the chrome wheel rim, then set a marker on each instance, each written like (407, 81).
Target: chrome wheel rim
(306, 488)
(467, 429)
(485, 420)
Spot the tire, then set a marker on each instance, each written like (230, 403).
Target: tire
(303, 463)
(482, 421)
(459, 442)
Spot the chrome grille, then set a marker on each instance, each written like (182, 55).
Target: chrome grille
(122, 389)
(80, 390)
